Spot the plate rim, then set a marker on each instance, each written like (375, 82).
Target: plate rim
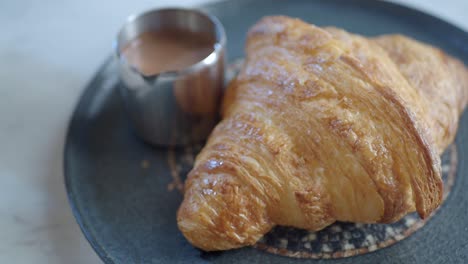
(87, 92)
(103, 255)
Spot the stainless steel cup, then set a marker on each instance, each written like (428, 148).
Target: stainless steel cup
(178, 107)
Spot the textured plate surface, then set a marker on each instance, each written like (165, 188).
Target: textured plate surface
(124, 192)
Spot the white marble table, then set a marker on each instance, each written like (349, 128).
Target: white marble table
(48, 52)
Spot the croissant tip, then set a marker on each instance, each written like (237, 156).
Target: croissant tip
(423, 215)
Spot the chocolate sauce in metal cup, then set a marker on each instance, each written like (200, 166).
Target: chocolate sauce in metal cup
(171, 65)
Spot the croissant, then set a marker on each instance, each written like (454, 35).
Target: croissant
(321, 126)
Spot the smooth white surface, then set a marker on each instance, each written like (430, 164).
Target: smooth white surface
(49, 50)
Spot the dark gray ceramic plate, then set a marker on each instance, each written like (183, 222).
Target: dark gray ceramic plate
(124, 193)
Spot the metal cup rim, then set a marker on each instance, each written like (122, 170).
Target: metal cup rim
(218, 47)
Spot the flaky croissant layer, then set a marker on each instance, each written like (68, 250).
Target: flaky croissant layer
(321, 126)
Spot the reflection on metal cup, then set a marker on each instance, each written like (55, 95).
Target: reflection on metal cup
(175, 107)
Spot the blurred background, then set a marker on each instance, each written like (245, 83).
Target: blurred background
(49, 50)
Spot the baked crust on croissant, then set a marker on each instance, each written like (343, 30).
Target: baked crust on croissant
(320, 126)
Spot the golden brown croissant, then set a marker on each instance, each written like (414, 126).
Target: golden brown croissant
(322, 126)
